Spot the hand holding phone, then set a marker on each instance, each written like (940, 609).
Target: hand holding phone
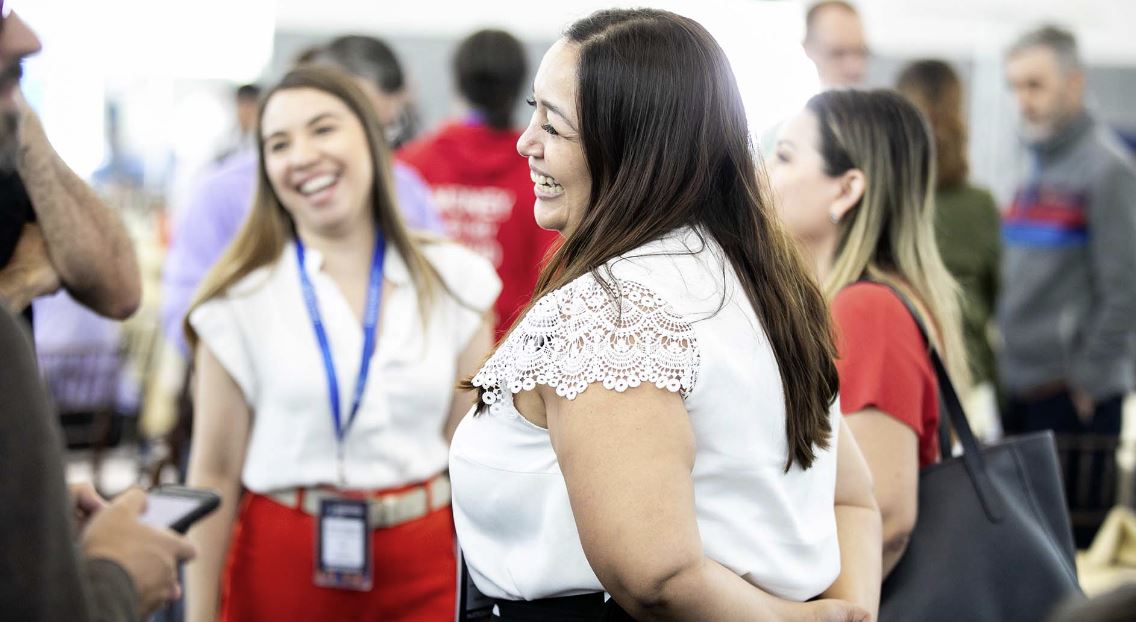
(150, 555)
(178, 507)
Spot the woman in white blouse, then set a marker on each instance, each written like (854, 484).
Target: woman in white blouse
(328, 341)
(660, 423)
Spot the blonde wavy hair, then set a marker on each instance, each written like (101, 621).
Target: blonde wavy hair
(889, 236)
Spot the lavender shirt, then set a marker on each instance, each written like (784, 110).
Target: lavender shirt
(214, 215)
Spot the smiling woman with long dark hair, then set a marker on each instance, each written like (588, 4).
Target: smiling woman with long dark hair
(658, 424)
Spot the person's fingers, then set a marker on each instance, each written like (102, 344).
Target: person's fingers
(86, 498)
(185, 551)
(150, 605)
(133, 500)
(163, 576)
(32, 232)
(176, 544)
(832, 610)
(171, 574)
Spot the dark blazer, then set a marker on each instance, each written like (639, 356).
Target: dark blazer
(43, 576)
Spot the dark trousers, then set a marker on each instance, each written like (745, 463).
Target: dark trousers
(582, 608)
(1087, 451)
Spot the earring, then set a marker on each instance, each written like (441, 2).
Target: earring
(834, 218)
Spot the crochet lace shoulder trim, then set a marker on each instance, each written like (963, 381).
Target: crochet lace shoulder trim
(583, 333)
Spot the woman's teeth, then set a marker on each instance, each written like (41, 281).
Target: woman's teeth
(316, 184)
(546, 184)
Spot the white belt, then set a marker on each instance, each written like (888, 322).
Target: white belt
(384, 510)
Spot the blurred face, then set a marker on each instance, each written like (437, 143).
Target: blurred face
(838, 49)
(388, 106)
(804, 194)
(551, 142)
(246, 113)
(1047, 95)
(17, 41)
(318, 161)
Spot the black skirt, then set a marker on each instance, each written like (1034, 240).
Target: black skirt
(582, 608)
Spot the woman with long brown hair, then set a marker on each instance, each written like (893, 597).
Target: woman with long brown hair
(967, 228)
(658, 424)
(854, 175)
(340, 455)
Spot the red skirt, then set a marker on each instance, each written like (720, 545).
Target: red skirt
(268, 574)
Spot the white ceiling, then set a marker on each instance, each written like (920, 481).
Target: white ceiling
(961, 27)
(950, 27)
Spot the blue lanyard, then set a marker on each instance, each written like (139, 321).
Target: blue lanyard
(370, 321)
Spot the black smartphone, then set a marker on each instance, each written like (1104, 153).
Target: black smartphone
(178, 507)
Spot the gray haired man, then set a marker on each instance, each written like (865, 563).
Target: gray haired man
(1068, 308)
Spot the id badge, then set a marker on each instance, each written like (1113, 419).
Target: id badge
(343, 545)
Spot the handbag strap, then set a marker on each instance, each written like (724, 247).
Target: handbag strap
(951, 406)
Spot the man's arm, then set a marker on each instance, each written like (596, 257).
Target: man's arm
(1112, 230)
(43, 578)
(112, 594)
(89, 247)
(29, 273)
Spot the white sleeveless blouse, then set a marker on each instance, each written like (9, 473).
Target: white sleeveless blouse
(671, 313)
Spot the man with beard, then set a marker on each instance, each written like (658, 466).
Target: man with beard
(119, 568)
(54, 231)
(835, 43)
(837, 46)
(1068, 267)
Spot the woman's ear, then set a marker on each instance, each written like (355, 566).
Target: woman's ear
(852, 186)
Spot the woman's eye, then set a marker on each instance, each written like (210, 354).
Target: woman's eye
(531, 101)
(551, 130)
(325, 129)
(277, 147)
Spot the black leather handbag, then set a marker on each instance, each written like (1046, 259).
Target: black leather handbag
(992, 540)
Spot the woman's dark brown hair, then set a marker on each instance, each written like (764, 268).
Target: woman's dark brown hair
(936, 90)
(665, 139)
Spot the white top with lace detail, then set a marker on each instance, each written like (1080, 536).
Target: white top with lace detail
(671, 313)
(580, 334)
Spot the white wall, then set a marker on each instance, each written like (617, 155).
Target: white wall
(92, 48)
(760, 38)
(940, 27)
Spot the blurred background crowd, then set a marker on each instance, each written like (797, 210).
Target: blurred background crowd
(154, 104)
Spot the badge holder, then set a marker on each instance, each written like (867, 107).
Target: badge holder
(343, 545)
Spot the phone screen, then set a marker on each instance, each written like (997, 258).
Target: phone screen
(164, 510)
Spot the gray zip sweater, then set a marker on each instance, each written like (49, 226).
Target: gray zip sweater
(1068, 306)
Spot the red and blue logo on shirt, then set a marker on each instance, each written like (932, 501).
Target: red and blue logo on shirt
(1045, 216)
